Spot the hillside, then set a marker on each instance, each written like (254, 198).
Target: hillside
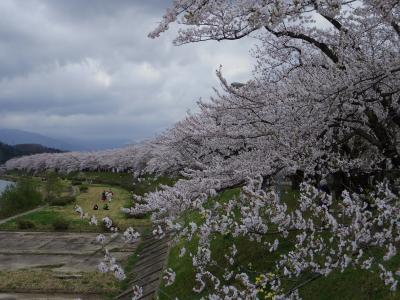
(16, 137)
(7, 151)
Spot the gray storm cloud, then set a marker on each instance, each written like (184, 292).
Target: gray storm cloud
(87, 69)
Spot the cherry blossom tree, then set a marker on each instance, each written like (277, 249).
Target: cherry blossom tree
(324, 99)
(330, 66)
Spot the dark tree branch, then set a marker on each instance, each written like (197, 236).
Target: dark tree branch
(321, 46)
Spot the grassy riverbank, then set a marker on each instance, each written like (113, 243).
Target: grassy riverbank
(62, 194)
(20, 197)
(43, 220)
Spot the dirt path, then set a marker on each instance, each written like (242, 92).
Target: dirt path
(21, 214)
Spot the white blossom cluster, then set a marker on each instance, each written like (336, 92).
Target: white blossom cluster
(80, 211)
(169, 277)
(335, 235)
(93, 220)
(109, 265)
(101, 239)
(137, 292)
(131, 235)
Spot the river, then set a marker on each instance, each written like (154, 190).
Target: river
(4, 184)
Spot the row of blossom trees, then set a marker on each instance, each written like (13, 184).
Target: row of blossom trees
(324, 99)
(117, 160)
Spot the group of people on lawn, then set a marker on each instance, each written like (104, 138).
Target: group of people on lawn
(106, 196)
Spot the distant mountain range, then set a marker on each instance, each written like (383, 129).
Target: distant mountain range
(15, 137)
(7, 151)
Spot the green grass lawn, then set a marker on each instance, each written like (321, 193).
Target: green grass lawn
(351, 284)
(44, 219)
(122, 184)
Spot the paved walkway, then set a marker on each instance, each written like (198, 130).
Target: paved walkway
(63, 253)
(67, 252)
(148, 271)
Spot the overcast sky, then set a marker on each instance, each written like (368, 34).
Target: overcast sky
(87, 69)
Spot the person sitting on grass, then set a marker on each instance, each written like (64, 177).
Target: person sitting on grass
(105, 207)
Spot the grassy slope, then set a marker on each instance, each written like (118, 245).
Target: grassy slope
(351, 284)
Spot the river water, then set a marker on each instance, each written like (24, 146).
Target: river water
(4, 184)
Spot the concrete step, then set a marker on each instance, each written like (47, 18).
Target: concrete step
(149, 269)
